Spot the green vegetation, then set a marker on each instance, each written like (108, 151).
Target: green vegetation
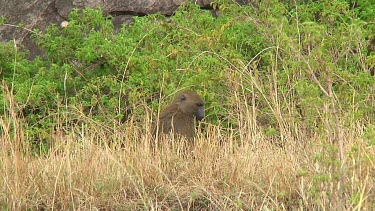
(290, 110)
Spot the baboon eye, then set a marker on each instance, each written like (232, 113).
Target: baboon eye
(183, 97)
(199, 104)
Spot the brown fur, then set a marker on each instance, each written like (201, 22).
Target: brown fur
(178, 117)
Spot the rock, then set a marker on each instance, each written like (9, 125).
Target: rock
(119, 20)
(41, 13)
(32, 14)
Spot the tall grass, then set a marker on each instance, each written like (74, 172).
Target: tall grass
(118, 167)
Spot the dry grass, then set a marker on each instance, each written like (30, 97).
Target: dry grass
(90, 168)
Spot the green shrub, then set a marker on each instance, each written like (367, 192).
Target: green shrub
(287, 56)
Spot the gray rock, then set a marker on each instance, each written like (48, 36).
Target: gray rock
(31, 14)
(41, 13)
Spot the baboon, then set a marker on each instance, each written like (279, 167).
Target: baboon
(179, 116)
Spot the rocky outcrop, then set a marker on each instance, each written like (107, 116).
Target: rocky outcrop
(30, 15)
(41, 13)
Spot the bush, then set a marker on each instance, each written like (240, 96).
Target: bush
(288, 58)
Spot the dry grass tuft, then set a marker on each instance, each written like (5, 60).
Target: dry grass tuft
(89, 167)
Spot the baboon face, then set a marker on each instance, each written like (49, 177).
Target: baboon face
(191, 104)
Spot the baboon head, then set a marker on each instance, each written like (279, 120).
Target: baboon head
(191, 104)
(178, 117)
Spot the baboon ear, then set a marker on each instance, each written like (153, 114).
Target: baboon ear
(183, 97)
